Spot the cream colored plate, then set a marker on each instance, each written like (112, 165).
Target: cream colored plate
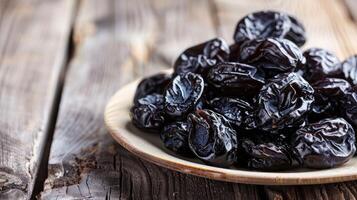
(148, 146)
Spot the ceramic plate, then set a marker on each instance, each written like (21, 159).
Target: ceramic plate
(149, 147)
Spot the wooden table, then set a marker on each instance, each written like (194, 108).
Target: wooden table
(61, 60)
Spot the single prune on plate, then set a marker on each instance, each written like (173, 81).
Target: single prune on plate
(200, 58)
(325, 144)
(269, 24)
(152, 84)
(238, 112)
(349, 69)
(273, 56)
(235, 78)
(320, 64)
(329, 95)
(175, 138)
(148, 114)
(183, 94)
(270, 155)
(283, 102)
(212, 139)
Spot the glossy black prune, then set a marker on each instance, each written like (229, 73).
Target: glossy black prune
(152, 84)
(329, 95)
(235, 78)
(349, 69)
(183, 94)
(325, 144)
(320, 64)
(175, 138)
(201, 57)
(211, 139)
(147, 113)
(350, 106)
(273, 56)
(270, 155)
(283, 102)
(269, 24)
(238, 112)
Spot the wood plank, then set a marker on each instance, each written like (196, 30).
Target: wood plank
(117, 41)
(329, 26)
(33, 42)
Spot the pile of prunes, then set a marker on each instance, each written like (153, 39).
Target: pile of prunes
(260, 103)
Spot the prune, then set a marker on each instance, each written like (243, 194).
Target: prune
(284, 102)
(175, 138)
(325, 144)
(269, 24)
(329, 94)
(153, 84)
(237, 111)
(183, 94)
(211, 138)
(349, 69)
(268, 155)
(350, 106)
(147, 113)
(320, 64)
(273, 56)
(199, 58)
(235, 78)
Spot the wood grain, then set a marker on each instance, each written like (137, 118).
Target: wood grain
(117, 41)
(33, 44)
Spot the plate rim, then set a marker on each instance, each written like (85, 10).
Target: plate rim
(206, 171)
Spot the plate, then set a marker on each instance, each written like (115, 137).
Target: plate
(149, 147)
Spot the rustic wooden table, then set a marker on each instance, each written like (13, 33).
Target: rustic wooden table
(61, 60)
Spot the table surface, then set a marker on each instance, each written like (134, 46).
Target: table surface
(61, 60)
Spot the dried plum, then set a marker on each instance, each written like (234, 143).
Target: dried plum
(199, 58)
(350, 106)
(235, 78)
(283, 102)
(349, 69)
(325, 144)
(269, 24)
(147, 113)
(183, 94)
(273, 56)
(175, 138)
(320, 64)
(152, 84)
(329, 95)
(238, 112)
(212, 139)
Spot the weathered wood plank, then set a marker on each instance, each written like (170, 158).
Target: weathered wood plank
(329, 26)
(33, 42)
(117, 41)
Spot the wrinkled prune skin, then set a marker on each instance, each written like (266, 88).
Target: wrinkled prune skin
(269, 24)
(349, 69)
(270, 155)
(199, 58)
(152, 84)
(325, 144)
(235, 78)
(183, 94)
(212, 139)
(350, 106)
(283, 102)
(273, 56)
(148, 114)
(175, 138)
(329, 95)
(238, 112)
(320, 64)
